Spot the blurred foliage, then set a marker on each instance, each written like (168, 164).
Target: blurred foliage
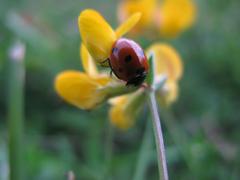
(201, 130)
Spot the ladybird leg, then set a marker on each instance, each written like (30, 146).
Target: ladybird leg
(111, 73)
(145, 86)
(105, 63)
(128, 83)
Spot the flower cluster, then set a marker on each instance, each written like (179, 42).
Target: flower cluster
(168, 17)
(92, 87)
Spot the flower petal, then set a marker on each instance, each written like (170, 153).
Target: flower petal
(167, 61)
(87, 62)
(145, 7)
(79, 89)
(128, 25)
(97, 35)
(176, 16)
(125, 109)
(119, 116)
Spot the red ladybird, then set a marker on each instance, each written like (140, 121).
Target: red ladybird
(128, 62)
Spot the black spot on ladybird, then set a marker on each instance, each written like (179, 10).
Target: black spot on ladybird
(128, 58)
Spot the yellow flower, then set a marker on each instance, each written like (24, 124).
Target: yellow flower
(146, 7)
(176, 16)
(98, 36)
(87, 89)
(82, 89)
(169, 17)
(168, 63)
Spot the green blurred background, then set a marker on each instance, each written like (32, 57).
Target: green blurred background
(201, 129)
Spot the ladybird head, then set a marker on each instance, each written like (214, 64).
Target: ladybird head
(138, 79)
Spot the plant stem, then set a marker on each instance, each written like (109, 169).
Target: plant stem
(15, 111)
(144, 154)
(162, 165)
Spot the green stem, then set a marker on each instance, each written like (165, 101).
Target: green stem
(144, 154)
(162, 165)
(15, 112)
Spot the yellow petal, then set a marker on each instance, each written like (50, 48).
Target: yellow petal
(79, 89)
(167, 61)
(120, 118)
(119, 115)
(125, 109)
(96, 34)
(128, 25)
(176, 16)
(87, 62)
(145, 7)
(169, 93)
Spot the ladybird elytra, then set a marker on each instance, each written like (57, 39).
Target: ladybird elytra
(128, 61)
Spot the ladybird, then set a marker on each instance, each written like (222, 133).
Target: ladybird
(128, 62)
